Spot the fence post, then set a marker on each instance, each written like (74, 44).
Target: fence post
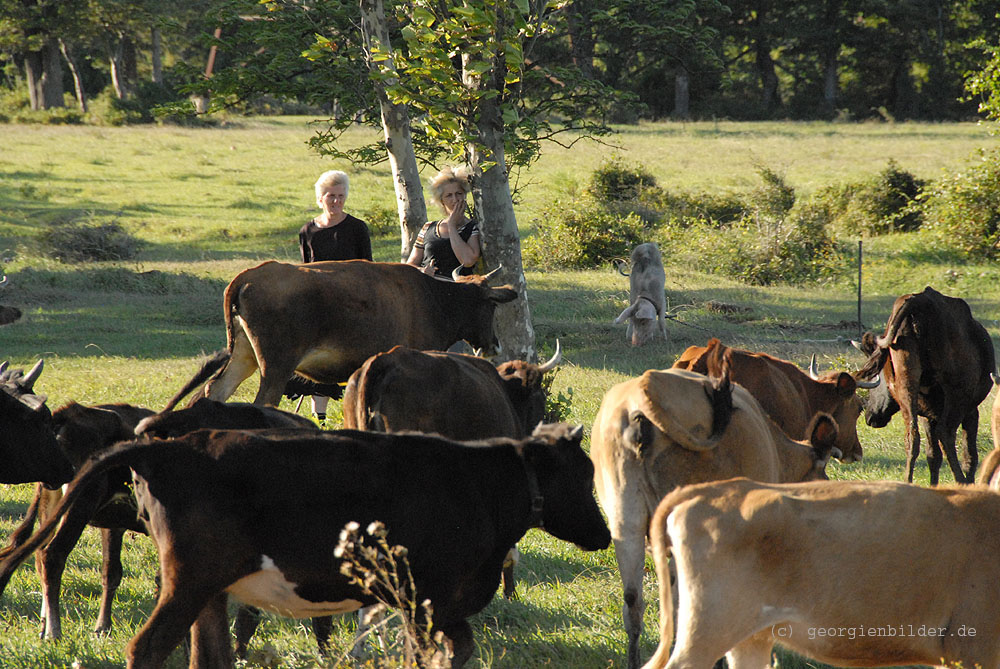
(859, 290)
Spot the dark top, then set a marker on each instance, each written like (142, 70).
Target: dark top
(439, 249)
(348, 240)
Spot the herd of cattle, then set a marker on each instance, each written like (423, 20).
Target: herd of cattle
(718, 462)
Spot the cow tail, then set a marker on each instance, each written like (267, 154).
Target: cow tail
(23, 531)
(367, 412)
(659, 538)
(123, 454)
(209, 369)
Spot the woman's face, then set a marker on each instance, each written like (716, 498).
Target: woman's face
(452, 195)
(332, 199)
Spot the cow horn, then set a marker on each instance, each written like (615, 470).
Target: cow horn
(492, 272)
(856, 344)
(3, 366)
(868, 385)
(457, 272)
(3, 281)
(813, 368)
(28, 380)
(553, 361)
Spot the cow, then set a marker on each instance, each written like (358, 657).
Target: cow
(752, 562)
(937, 362)
(669, 428)
(455, 395)
(322, 320)
(28, 448)
(790, 396)
(989, 473)
(81, 431)
(8, 314)
(452, 394)
(258, 514)
(647, 309)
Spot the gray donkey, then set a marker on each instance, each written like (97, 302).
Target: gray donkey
(647, 303)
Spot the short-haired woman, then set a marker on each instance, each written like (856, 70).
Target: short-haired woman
(333, 235)
(452, 242)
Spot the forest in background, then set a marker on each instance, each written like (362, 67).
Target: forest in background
(738, 59)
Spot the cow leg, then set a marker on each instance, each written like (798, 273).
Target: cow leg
(912, 437)
(111, 574)
(50, 560)
(754, 653)
(970, 456)
(242, 363)
(507, 575)
(176, 611)
(631, 556)
(934, 453)
(459, 641)
(210, 647)
(322, 628)
(247, 620)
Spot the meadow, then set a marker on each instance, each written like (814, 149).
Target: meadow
(208, 203)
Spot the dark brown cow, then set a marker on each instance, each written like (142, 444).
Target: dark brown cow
(323, 320)
(790, 396)
(452, 394)
(81, 432)
(937, 362)
(258, 515)
(455, 395)
(28, 448)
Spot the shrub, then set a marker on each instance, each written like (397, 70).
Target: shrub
(90, 241)
(581, 235)
(888, 202)
(963, 210)
(616, 181)
(382, 221)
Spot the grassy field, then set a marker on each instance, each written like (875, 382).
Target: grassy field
(211, 202)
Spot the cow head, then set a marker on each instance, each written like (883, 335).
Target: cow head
(845, 407)
(822, 434)
(477, 328)
(566, 481)
(641, 315)
(880, 406)
(28, 447)
(523, 384)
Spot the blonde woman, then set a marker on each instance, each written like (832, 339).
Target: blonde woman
(453, 241)
(333, 235)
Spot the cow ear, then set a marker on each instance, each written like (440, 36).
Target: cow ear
(638, 436)
(502, 294)
(629, 310)
(822, 435)
(846, 384)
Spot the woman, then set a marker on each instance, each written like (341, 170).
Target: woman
(444, 245)
(333, 235)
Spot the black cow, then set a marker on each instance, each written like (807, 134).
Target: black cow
(28, 448)
(937, 362)
(258, 515)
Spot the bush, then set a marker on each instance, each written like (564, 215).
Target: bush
(616, 181)
(963, 211)
(888, 202)
(382, 221)
(83, 242)
(581, 235)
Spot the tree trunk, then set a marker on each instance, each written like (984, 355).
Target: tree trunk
(830, 81)
(81, 95)
(123, 66)
(156, 51)
(396, 128)
(768, 76)
(495, 210)
(682, 93)
(581, 37)
(33, 73)
(52, 76)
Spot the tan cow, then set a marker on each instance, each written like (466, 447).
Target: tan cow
(671, 428)
(989, 472)
(789, 395)
(756, 565)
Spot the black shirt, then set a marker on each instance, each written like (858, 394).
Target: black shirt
(348, 240)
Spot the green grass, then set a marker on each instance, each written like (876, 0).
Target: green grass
(211, 202)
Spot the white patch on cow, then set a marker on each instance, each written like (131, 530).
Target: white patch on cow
(319, 360)
(268, 589)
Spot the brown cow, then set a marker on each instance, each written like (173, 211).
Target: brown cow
(790, 396)
(455, 395)
(671, 428)
(937, 362)
(258, 514)
(647, 309)
(989, 473)
(323, 320)
(754, 564)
